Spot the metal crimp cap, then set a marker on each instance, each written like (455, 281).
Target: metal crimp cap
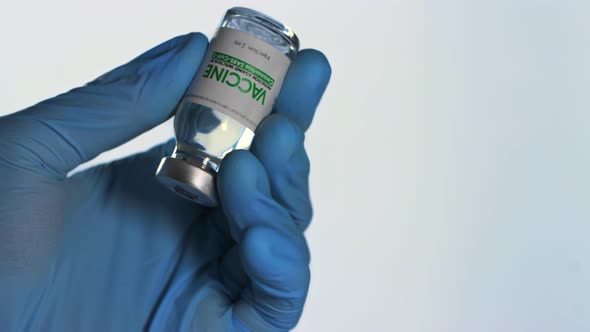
(188, 180)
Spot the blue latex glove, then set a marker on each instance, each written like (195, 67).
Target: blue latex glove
(109, 249)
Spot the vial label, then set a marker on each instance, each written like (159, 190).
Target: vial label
(240, 76)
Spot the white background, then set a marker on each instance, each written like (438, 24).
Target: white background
(450, 156)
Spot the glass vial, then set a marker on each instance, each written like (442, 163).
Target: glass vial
(235, 87)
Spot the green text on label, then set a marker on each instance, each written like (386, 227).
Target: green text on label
(235, 80)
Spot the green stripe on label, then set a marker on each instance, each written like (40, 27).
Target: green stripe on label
(228, 59)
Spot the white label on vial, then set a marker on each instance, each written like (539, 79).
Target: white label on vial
(240, 76)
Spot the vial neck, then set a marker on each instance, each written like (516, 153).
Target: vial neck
(196, 158)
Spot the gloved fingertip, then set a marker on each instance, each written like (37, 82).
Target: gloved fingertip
(177, 42)
(320, 67)
(195, 40)
(239, 176)
(277, 140)
(198, 37)
(304, 86)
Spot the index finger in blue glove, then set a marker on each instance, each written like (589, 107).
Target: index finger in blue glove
(58, 134)
(304, 85)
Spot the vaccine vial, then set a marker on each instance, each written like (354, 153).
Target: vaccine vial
(235, 87)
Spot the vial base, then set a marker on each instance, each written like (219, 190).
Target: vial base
(188, 181)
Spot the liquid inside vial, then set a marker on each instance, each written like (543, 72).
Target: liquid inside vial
(205, 135)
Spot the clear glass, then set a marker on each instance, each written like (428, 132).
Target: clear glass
(204, 135)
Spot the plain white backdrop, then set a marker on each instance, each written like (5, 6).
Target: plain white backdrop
(450, 155)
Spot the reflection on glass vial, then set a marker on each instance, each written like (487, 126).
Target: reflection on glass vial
(228, 97)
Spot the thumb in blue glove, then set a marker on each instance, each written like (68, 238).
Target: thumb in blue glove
(110, 249)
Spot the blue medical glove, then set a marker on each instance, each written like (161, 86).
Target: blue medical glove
(109, 249)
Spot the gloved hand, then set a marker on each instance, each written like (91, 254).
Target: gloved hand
(110, 249)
